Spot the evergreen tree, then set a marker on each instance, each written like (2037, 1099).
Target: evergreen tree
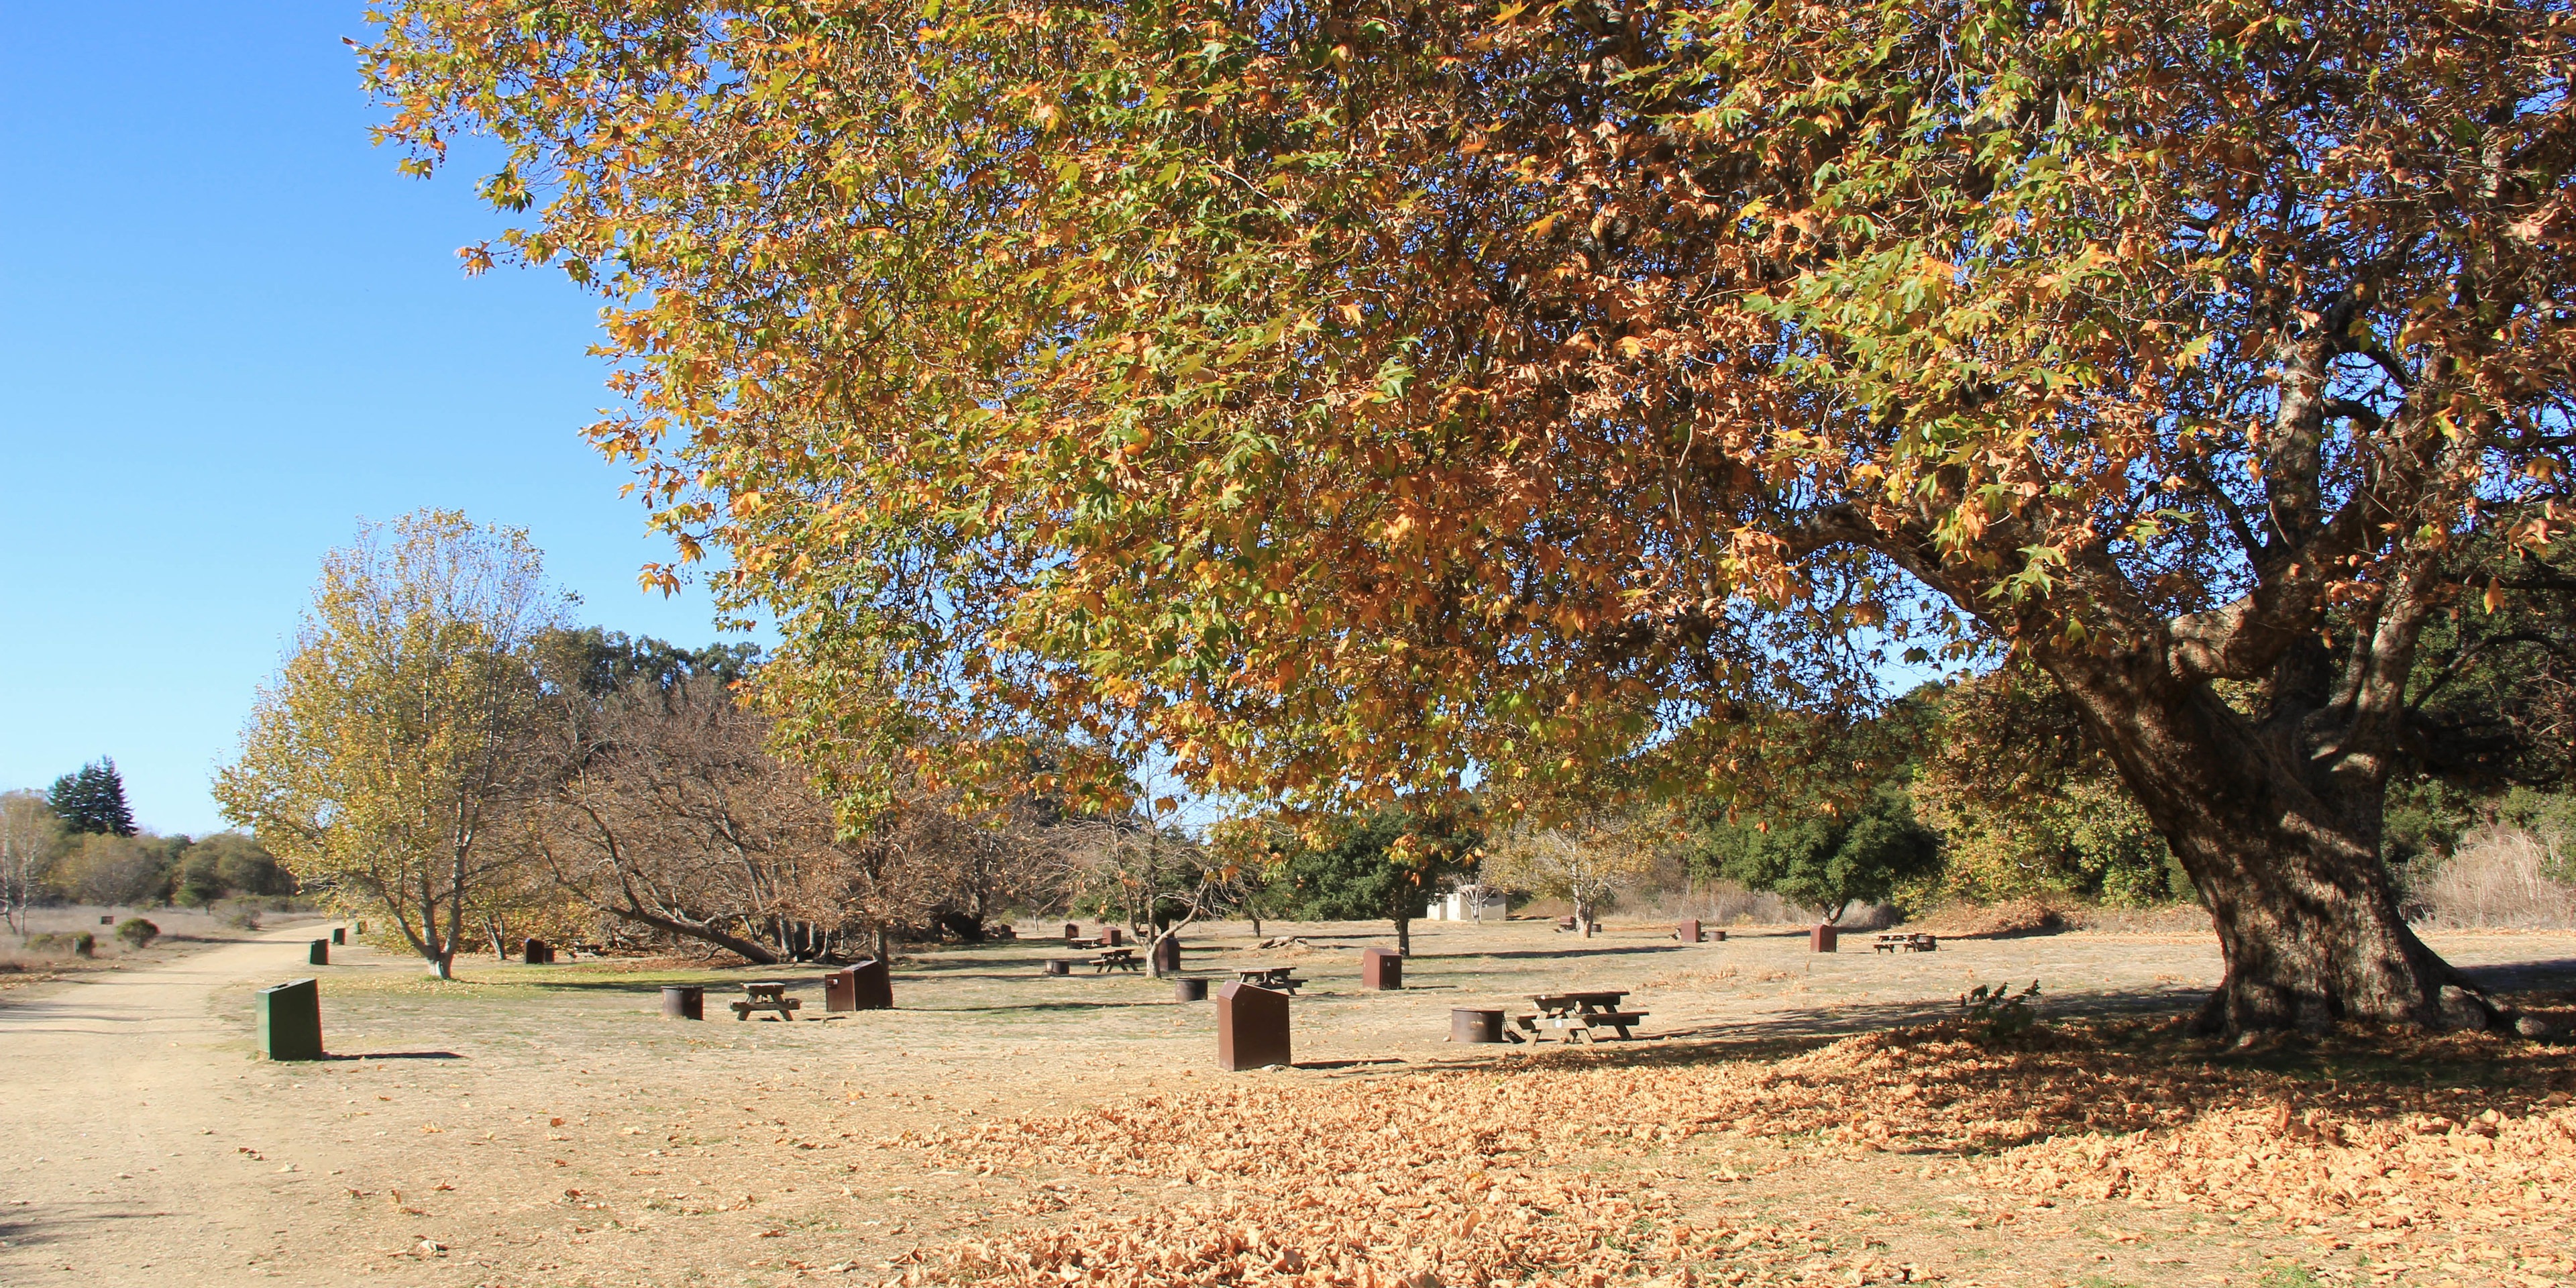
(1826, 860)
(92, 799)
(1385, 864)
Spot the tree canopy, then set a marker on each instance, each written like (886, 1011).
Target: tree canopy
(1588, 860)
(91, 799)
(1358, 398)
(1383, 865)
(380, 762)
(1827, 861)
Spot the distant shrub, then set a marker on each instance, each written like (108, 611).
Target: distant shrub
(245, 917)
(136, 932)
(113, 871)
(1996, 1013)
(2501, 876)
(2034, 916)
(1732, 905)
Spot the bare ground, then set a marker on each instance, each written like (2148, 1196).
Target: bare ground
(543, 1126)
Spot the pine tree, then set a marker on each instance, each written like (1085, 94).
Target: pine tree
(92, 799)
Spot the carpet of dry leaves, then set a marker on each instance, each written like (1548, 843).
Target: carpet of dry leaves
(2457, 1154)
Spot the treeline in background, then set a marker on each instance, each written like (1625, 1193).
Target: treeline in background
(77, 843)
(441, 746)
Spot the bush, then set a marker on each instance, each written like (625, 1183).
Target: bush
(1824, 860)
(136, 932)
(82, 944)
(1996, 1013)
(113, 871)
(2501, 876)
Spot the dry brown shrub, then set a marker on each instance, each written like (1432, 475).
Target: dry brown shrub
(2501, 876)
(2169, 919)
(2049, 914)
(1985, 921)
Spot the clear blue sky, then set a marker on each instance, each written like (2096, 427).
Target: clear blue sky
(228, 330)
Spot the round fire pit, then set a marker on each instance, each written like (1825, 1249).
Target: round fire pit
(1468, 1024)
(1189, 988)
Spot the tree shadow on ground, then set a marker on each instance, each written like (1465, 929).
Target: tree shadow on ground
(34, 1227)
(1836, 1022)
(1575, 949)
(2145, 1033)
(1159, 1000)
(2556, 972)
(342, 1056)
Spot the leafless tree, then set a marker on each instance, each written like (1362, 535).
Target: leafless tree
(29, 838)
(664, 809)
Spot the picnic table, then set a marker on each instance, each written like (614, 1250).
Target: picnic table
(766, 995)
(1278, 978)
(1085, 943)
(1107, 961)
(1913, 943)
(1574, 1015)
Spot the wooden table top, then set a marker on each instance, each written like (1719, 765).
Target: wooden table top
(1595, 997)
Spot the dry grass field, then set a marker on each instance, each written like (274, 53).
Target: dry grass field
(1793, 1118)
(181, 930)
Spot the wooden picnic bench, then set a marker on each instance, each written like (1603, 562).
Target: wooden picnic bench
(1115, 959)
(1573, 1016)
(1912, 943)
(1085, 943)
(766, 996)
(1281, 979)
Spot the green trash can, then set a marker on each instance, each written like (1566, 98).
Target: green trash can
(290, 1021)
(320, 955)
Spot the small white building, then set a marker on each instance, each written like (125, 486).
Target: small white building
(1472, 903)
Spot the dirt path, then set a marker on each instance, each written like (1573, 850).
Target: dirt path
(120, 1132)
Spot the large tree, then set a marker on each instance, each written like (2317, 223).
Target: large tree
(31, 840)
(380, 761)
(1386, 864)
(1360, 396)
(1827, 860)
(2026, 803)
(659, 806)
(1587, 860)
(91, 799)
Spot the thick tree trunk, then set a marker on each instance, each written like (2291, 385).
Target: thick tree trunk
(2287, 860)
(749, 950)
(1404, 936)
